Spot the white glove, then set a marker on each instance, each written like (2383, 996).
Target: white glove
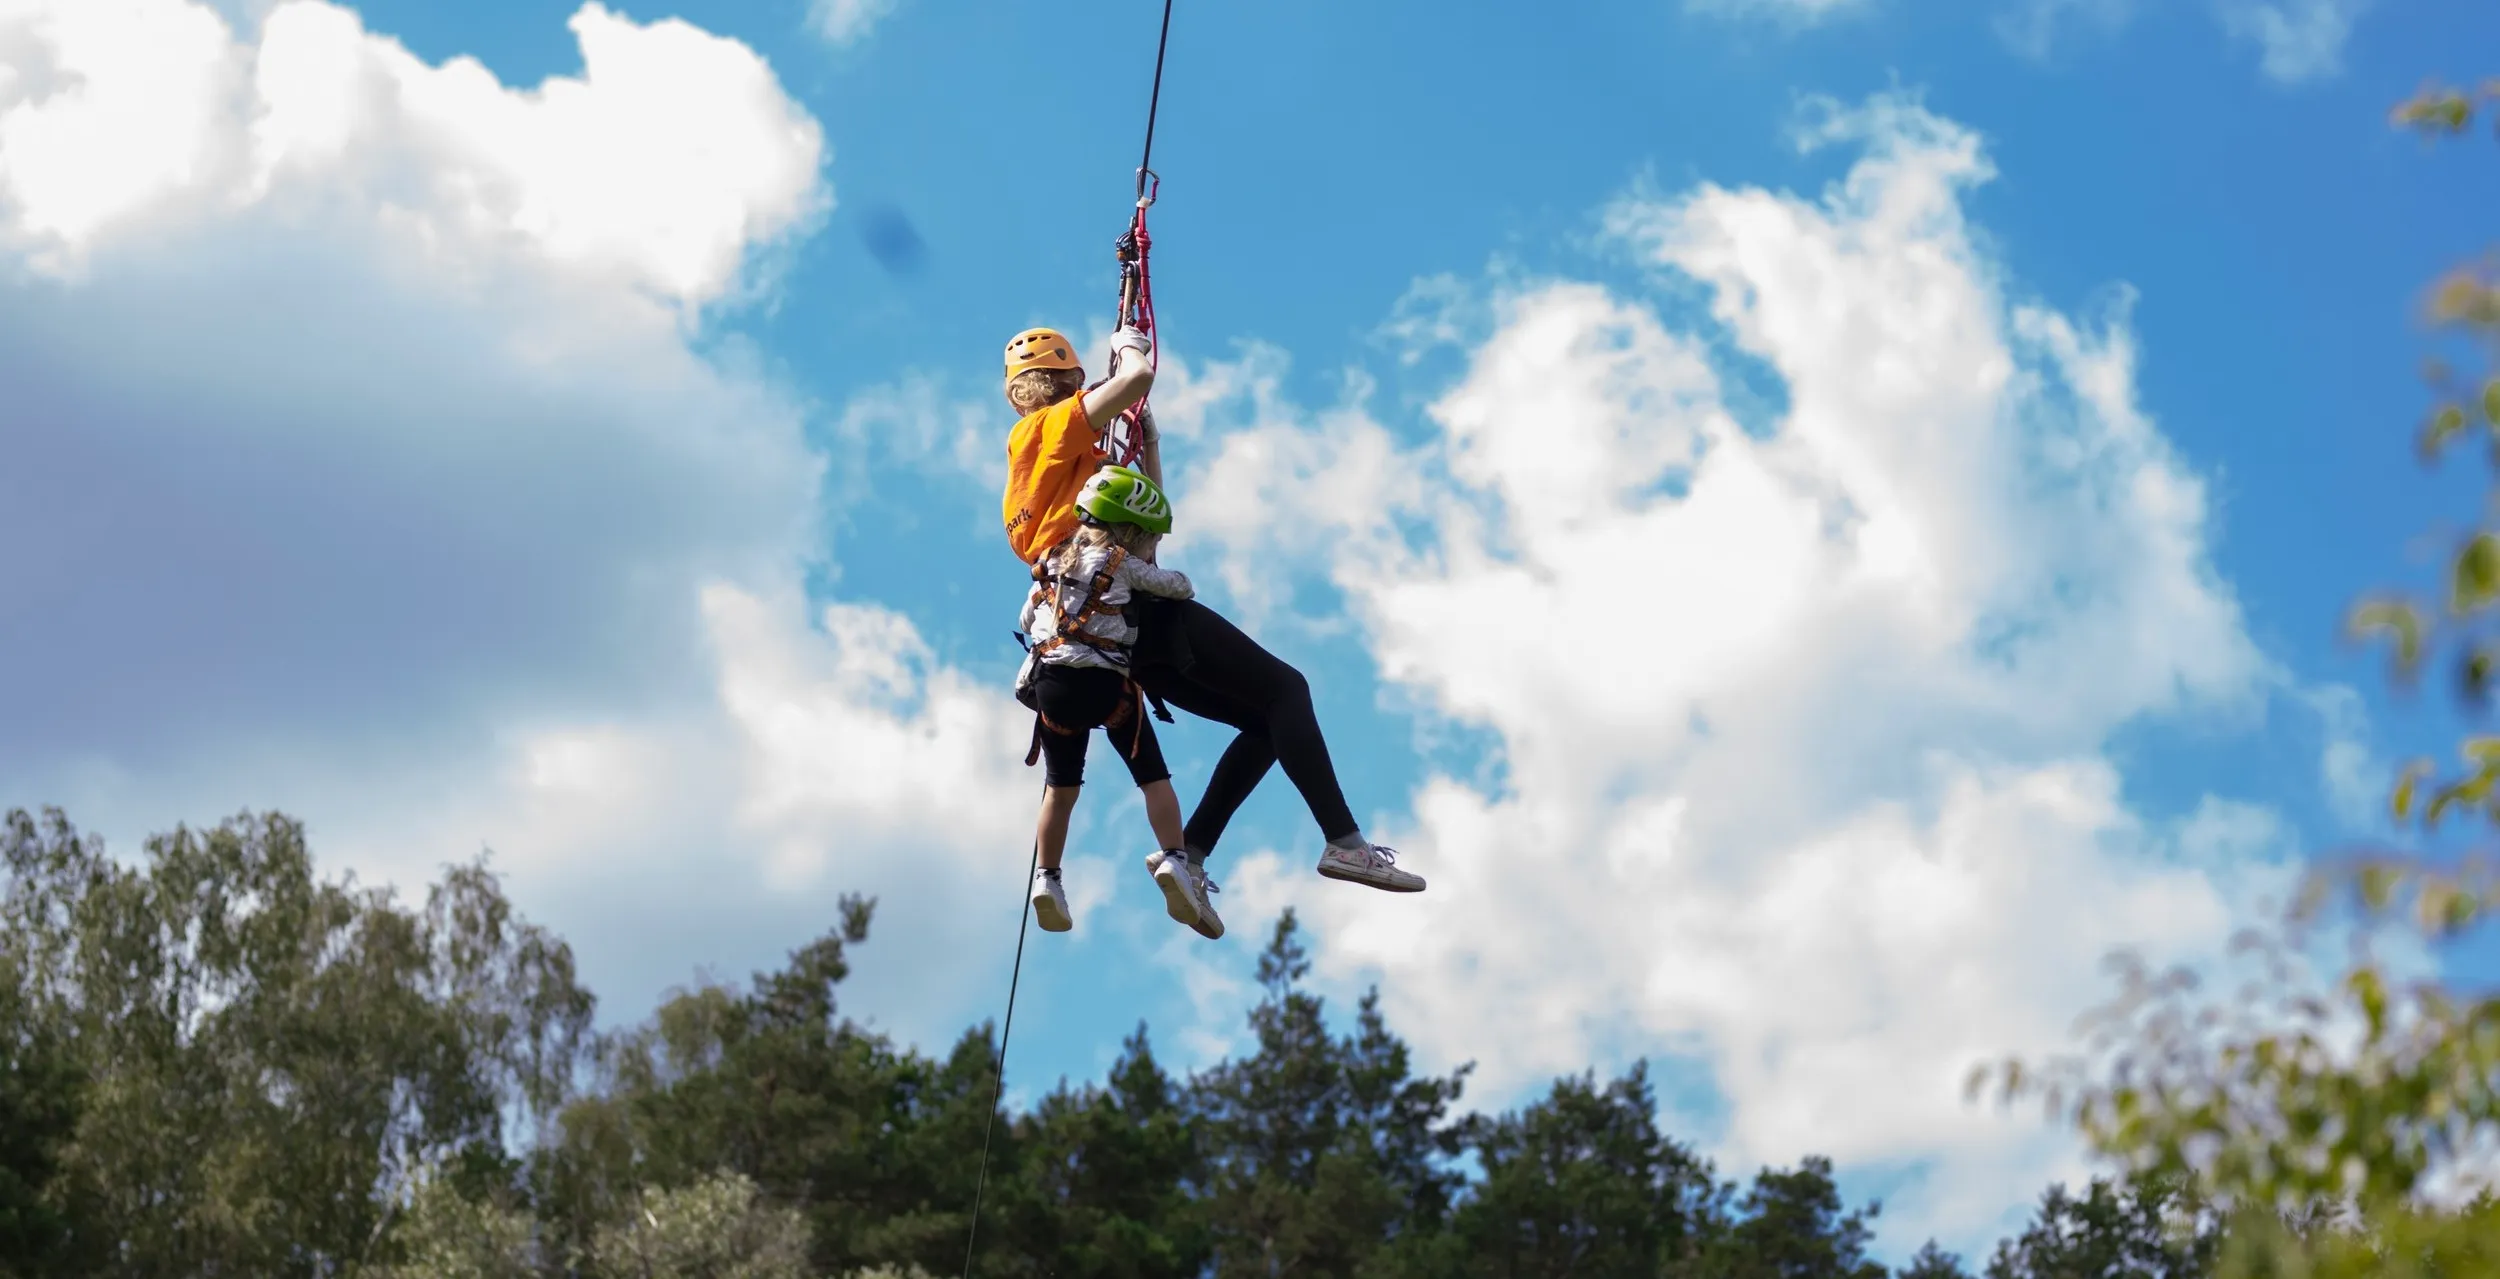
(1131, 339)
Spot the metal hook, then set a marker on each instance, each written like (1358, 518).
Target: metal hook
(1149, 185)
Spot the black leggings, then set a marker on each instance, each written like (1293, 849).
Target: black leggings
(1071, 702)
(1188, 655)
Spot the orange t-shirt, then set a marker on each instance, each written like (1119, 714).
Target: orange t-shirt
(1050, 454)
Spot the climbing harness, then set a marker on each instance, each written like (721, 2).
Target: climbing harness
(1136, 307)
(1067, 630)
(1073, 632)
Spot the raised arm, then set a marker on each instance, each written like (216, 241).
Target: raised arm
(1132, 373)
(1149, 446)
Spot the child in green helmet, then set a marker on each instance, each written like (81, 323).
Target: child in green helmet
(1076, 677)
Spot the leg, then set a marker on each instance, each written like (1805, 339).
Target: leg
(1163, 812)
(1161, 660)
(1069, 706)
(1237, 773)
(1210, 655)
(1182, 884)
(1071, 702)
(1050, 839)
(1133, 735)
(1222, 661)
(1051, 832)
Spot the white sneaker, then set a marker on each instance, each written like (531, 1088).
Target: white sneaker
(1210, 925)
(1181, 899)
(1372, 865)
(1050, 903)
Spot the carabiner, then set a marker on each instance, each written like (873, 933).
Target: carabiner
(1146, 191)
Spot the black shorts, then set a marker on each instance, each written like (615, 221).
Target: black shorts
(1074, 701)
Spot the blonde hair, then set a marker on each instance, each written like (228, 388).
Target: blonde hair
(1094, 537)
(1036, 389)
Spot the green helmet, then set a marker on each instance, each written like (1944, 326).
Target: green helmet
(1118, 495)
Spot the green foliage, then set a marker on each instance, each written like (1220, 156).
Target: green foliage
(1111, 1170)
(1320, 1147)
(2335, 1129)
(440, 1233)
(717, 1228)
(41, 1093)
(250, 1040)
(2315, 1121)
(866, 1142)
(219, 1064)
(1793, 1226)
(1581, 1182)
(2142, 1228)
(2444, 109)
(1933, 1262)
(714, 1229)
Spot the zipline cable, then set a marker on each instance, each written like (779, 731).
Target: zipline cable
(1154, 101)
(1137, 294)
(998, 1085)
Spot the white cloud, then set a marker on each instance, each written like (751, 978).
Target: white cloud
(317, 351)
(2351, 774)
(1436, 311)
(847, 21)
(669, 159)
(1793, 12)
(2296, 39)
(827, 754)
(2033, 27)
(1802, 730)
(915, 421)
(860, 737)
(361, 466)
(109, 108)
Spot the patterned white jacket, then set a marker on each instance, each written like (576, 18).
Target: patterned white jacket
(1050, 604)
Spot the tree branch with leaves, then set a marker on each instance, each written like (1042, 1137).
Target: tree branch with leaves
(2346, 1127)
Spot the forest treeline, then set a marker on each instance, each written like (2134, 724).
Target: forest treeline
(221, 1062)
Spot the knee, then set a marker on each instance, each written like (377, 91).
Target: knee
(1290, 687)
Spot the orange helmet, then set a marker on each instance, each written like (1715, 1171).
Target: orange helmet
(1040, 349)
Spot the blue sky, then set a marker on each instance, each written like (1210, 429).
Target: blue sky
(1800, 604)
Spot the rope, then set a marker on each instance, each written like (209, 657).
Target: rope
(998, 1086)
(1137, 305)
(1153, 102)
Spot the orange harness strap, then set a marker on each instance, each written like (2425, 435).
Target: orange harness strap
(1074, 631)
(1068, 631)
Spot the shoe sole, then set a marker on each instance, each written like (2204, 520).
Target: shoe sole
(1331, 871)
(1176, 896)
(1052, 919)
